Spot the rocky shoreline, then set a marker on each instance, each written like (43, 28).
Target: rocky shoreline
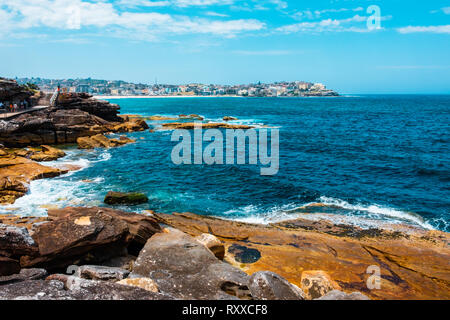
(101, 253)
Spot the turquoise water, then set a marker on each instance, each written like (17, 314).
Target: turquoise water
(368, 160)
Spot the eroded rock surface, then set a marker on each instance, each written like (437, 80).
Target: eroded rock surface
(184, 268)
(413, 266)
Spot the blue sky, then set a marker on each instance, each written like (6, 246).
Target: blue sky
(231, 42)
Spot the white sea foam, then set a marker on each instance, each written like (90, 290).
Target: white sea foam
(373, 216)
(61, 191)
(381, 211)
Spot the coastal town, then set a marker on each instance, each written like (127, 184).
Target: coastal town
(122, 88)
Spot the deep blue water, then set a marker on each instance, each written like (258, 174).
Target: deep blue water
(369, 159)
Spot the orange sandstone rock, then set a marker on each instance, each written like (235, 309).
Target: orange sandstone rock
(412, 266)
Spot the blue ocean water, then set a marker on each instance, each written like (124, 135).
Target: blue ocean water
(367, 160)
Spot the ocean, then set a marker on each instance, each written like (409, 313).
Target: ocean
(368, 160)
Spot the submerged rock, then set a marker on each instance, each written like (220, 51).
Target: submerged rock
(191, 117)
(130, 198)
(227, 118)
(209, 125)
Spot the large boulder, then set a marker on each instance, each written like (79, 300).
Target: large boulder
(185, 269)
(265, 285)
(72, 239)
(140, 226)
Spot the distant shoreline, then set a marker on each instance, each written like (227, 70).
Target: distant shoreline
(170, 97)
(155, 97)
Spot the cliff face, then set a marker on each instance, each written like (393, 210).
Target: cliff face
(85, 102)
(76, 115)
(12, 92)
(50, 126)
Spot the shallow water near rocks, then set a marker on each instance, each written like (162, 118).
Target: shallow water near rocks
(364, 160)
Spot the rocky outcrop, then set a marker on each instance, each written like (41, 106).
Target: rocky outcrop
(85, 102)
(101, 141)
(58, 125)
(130, 124)
(47, 153)
(209, 125)
(12, 92)
(228, 118)
(50, 126)
(130, 198)
(412, 266)
(94, 245)
(17, 172)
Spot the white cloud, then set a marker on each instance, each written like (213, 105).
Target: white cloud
(216, 14)
(314, 14)
(446, 10)
(425, 29)
(79, 14)
(327, 25)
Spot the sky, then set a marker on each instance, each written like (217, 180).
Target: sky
(352, 46)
